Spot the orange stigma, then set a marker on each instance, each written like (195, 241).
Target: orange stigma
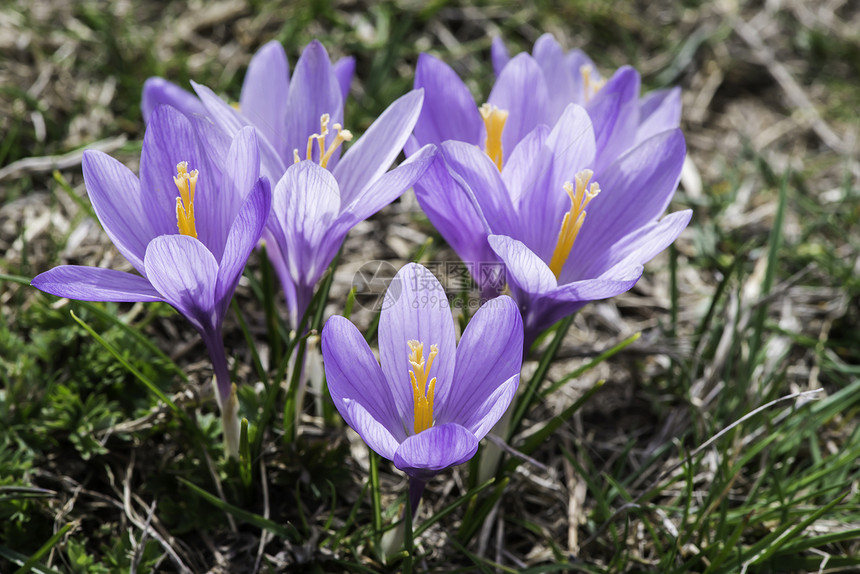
(185, 182)
(422, 392)
(580, 197)
(494, 122)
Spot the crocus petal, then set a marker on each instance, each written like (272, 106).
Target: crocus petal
(544, 310)
(376, 150)
(618, 280)
(264, 90)
(570, 148)
(230, 122)
(245, 232)
(185, 273)
(314, 91)
(240, 174)
(170, 139)
(521, 90)
(658, 111)
(371, 431)
(424, 455)
(642, 245)
(343, 71)
(158, 91)
(614, 112)
(453, 213)
(550, 57)
(449, 111)
(217, 141)
(499, 55)
(353, 374)
(95, 284)
(484, 416)
(389, 187)
(480, 179)
(489, 354)
(526, 164)
(306, 205)
(635, 190)
(115, 194)
(524, 270)
(416, 308)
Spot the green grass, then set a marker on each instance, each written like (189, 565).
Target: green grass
(673, 452)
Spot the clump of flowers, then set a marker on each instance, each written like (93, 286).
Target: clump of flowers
(300, 119)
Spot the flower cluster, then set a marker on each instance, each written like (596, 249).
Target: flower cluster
(562, 177)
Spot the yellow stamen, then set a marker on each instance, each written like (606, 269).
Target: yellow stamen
(422, 392)
(590, 87)
(325, 153)
(570, 226)
(185, 182)
(494, 122)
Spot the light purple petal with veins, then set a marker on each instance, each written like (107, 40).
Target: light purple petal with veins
(344, 69)
(231, 122)
(635, 190)
(185, 273)
(658, 111)
(551, 58)
(388, 187)
(521, 90)
(115, 194)
(245, 232)
(449, 111)
(480, 179)
(264, 90)
(570, 148)
(158, 92)
(614, 111)
(453, 213)
(499, 55)
(424, 455)
(95, 284)
(640, 246)
(374, 152)
(215, 215)
(305, 208)
(353, 374)
(488, 356)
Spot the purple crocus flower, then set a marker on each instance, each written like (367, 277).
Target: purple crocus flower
(531, 92)
(187, 226)
(430, 401)
(311, 215)
(265, 101)
(616, 109)
(534, 213)
(300, 119)
(285, 111)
